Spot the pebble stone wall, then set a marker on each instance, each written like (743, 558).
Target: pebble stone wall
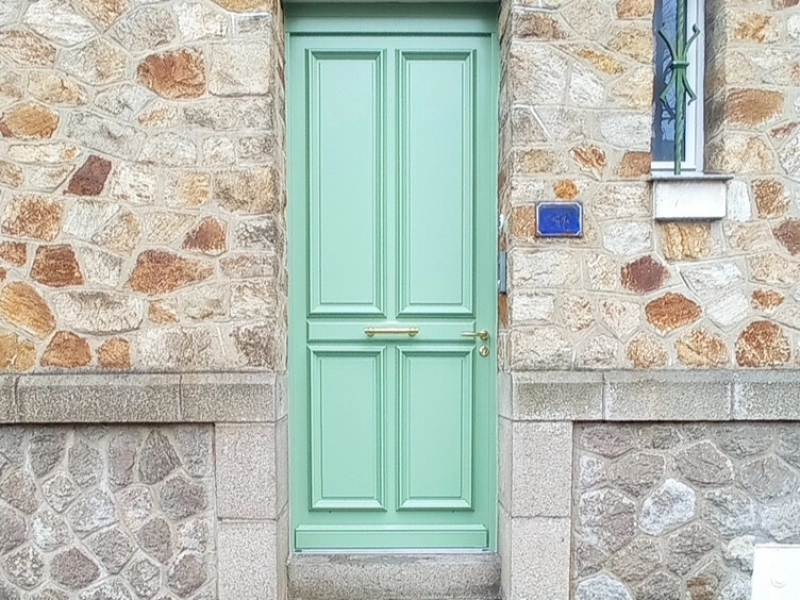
(107, 513)
(672, 512)
(141, 185)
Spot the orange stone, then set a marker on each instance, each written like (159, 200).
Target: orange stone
(671, 311)
(56, 266)
(605, 63)
(33, 217)
(685, 241)
(523, 222)
(770, 200)
(565, 189)
(766, 299)
(788, 234)
(589, 158)
(537, 25)
(21, 305)
(160, 272)
(15, 253)
(536, 161)
(753, 29)
(16, 353)
(698, 348)
(28, 121)
(10, 174)
(178, 74)
(752, 106)
(243, 5)
(634, 9)
(762, 344)
(162, 312)
(115, 354)
(634, 164)
(208, 237)
(643, 275)
(645, 352)
(67, 350)
(27, 47)
(90, 178)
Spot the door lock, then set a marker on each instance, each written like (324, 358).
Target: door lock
(484, 351)
(482, 334)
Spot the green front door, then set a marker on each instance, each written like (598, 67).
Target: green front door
(392, 174)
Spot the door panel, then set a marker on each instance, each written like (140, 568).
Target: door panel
(348, 393)
(346, 186)
(435, 412)
(436, 185)
(392, 212)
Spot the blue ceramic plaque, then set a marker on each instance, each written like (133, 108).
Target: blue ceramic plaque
(559, 219)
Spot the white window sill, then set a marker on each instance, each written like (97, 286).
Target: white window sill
(689, 196)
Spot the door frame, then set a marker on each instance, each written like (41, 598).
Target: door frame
(344, 18)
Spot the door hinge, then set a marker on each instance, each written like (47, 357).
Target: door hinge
(502, 269)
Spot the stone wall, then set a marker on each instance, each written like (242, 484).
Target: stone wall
(107, 512)
(141, 185)
(575, 125)
(666, 511)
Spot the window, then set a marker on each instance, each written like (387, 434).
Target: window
(686, 43)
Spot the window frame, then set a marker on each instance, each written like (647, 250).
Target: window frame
(694, 132)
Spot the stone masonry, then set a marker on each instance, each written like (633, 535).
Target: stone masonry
(141, 185)
(575, 115)
(107, 513)
(665, 511)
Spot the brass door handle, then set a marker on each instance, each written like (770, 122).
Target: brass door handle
(409, 331)
(482, 334)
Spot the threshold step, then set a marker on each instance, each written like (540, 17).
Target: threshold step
(406, 576)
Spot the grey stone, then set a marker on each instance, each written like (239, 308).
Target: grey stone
(93, 511)
(50, 594)
(187, 574)
(122, 452)
(637, 473)
(24, 568)
(601, 587)
(98, 312)
(112, 547)
(194, 534)
(124, 100)
(592, 472)
(660, 586)
(729, 511)
(687, 546)
(768, 479)
(108, 590)
(7, 592)
(49, 531)
(58, 22)
(180, 498)
(245, 460)
(228, 397)
(607, 518)
(765, 395)
(85, 464)
(789, 446)
(146, 28)
(169, 149)
(659, 437)
(46, 449)
(739, 552)
(736, 588)
(157, 458)
(679, 396)
(144, 578)
(259, 233)
(703, 463)
(90, 398)
(241, 69)
(135, 506)
(73, 569)
(59, 492)
(673, 503)
(19, 490)
(637, 560)
(155, 538)
(607, 440)
(13, 530)
(782, 520)
(193, 443)
(589, 559)
(565, 396)
(104, 135)
(741, 440)
(11, 446)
